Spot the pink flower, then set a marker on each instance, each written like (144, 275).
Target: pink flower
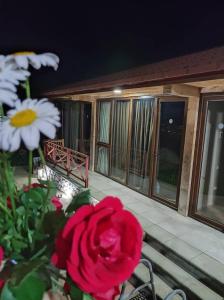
(57, 204)
(100, 246)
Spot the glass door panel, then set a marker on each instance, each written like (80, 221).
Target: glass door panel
(103, 137)
(104, 122)
(138, 173)
(119, 147)
(102, 160)
(210, 203)
(168, 157)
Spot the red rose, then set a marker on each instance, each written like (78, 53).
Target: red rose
(26, 188)
(1, 255)
(2, 282)
(99, 246)
(57, 204)
(9, 204)
(67, 288)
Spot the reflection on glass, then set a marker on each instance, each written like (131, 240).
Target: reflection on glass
(211, 191)
(102, 160)
(119, 140)
(104, 122)
(138, 176)
(171, 130)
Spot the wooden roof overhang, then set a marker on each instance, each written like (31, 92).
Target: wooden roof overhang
(192, 74)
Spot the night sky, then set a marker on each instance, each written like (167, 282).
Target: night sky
(94, 38)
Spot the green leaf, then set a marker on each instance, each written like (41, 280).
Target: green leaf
(87, 297)
(82, 198)
(76, 293)
(6, 293)
(24, 269)
(31, 288)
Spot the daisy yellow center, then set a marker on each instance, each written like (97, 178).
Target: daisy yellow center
(23, 118)
(24, 53)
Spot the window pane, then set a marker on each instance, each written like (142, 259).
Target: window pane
(138, 177)
(102, 160)
(119, 140)
(211, 191)
(104, 122)
(171, 130)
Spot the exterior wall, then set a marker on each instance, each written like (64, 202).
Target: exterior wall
(188, 155)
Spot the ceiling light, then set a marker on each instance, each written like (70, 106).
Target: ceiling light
(117, 91)
(146, 97)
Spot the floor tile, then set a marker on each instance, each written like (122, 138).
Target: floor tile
(182, 248)
(138, 207)
(210, 266)
(154, 215)
(217, 250)
(158, 233)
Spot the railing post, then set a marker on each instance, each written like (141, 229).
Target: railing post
(68, 163)
(87, 172)
(54, 153)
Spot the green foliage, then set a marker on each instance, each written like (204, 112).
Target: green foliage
(77, 294)
(27, 281)
(82, 198)
(29, 225)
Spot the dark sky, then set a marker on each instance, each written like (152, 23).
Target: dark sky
(94, 38)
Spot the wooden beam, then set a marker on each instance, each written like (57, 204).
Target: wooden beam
(181, 90)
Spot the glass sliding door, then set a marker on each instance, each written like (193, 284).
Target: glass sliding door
(168, 154)
(103, 137)
(76, 125)
(141, 132)
(119, 146)
(210, 192)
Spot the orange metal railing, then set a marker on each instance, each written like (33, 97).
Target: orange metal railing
(73, 162)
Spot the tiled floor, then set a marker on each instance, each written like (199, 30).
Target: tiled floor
(197, 241)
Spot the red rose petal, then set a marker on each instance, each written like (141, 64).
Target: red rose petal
(81, 213)
(109, 202)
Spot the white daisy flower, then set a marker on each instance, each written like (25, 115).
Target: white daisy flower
(9, 71)
(23, 59)
(26, 121)
(7, 96)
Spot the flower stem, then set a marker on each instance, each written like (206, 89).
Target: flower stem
(1, 110)
(9, 184)
(27, 88)
(30, 166)
(42, 156)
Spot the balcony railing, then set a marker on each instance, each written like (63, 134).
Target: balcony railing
(73, 162)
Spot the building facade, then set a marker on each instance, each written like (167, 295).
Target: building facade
(158, 129)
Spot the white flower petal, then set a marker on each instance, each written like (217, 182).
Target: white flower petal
(46, 128)
(35, 61)
(15, 141)
(22, 61)
(7, 85)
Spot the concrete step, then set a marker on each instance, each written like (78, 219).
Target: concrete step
(172, 274)
(161, 288)
(204, 268)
